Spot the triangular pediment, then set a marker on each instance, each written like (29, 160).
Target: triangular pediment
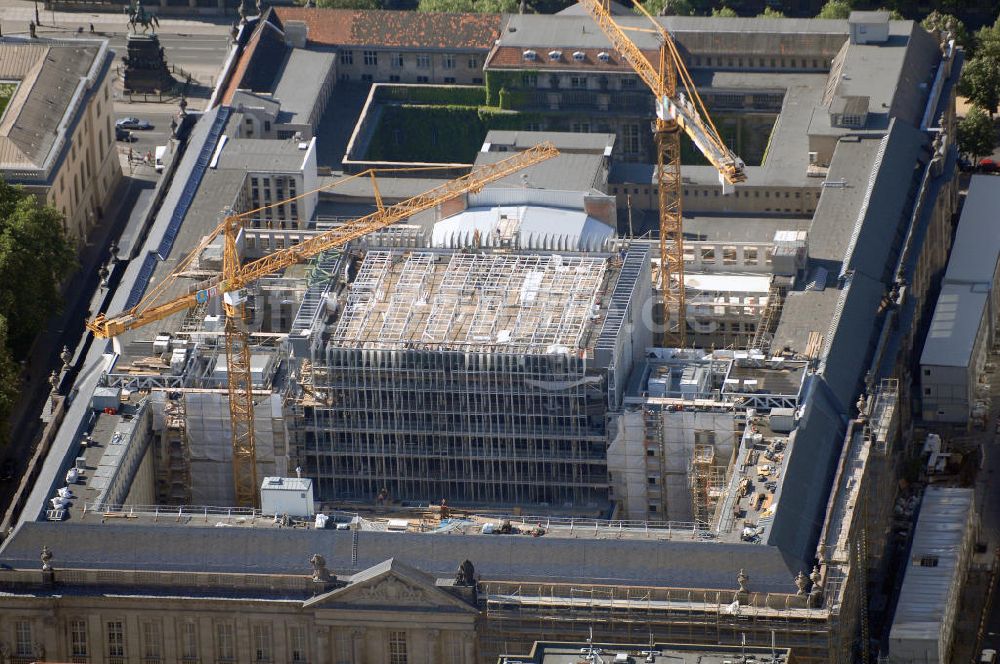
(388, 585)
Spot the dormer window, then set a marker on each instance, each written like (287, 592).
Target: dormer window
(579, 56)
(555, 55)
(530, 55)
(603, 56)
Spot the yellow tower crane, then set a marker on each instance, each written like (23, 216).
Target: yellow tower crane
(236, 276)
(674, 113)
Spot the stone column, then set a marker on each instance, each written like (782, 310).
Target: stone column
(433, 645)
(358, 645)
(322, 644)
(469, 647)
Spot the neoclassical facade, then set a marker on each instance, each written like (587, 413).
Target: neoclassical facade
(388, 613)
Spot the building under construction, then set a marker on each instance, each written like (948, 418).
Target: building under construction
(497, 352)
(476, 377)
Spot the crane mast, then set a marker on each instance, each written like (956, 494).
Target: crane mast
(674, 113)
(236, 276)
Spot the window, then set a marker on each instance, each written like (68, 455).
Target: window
(729, 255)
(116, 639)
(704, 437)
(927, 372)
(347, 57)
(422, 79)
(423, 61)
(479, 81)
(473, 62)
(651, 481)
(630, 136)
(652, 508)
(397, 60)
(22, 638)
(297, 643)
(750, 255)
(267, 125)
(225, 633)
(529, 80)
(188, 638)
(578, 82)
(629, 83)
(393, 78)
(929, 561)
(449, 79)
(261, 635)
(397, 648)
(448, 61)
(651, 453)
(78, 638)
(708, 254)
(152, 640)
(371, 58)
(367, 78)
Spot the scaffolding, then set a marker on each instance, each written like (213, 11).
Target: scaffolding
(654, 442)
(517, 614)
(699, 477)
(470, 377)
(769, 318)
(470, 302)
(176, 480)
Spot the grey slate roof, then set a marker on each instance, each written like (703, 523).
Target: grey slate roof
(922, 608)
(976, 250)
(300, 82)
(54, 78)
(958, 315)
(166, 546)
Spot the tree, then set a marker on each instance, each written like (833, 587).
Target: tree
(771, 13)
(9, 381)
(668, 7)
(34, 257)
(480, 6)
(835, 9)
(348, 4)
(976, 136)
(943, 22)
(894, 14)
(980, 82)
(724, 12)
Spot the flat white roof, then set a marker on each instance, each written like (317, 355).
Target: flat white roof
(286, 484)
(977, 242)
(938, 536)
(957, 316)
(729, 283)
(534, 227)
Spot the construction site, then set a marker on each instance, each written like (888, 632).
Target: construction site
(692, 434)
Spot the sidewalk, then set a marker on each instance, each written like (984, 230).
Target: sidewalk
(20, 12)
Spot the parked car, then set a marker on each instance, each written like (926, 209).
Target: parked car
(133, 123)
(988, 166)
(122, 134)
(964, 165)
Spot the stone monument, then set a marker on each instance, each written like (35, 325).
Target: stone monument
(145, 65)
